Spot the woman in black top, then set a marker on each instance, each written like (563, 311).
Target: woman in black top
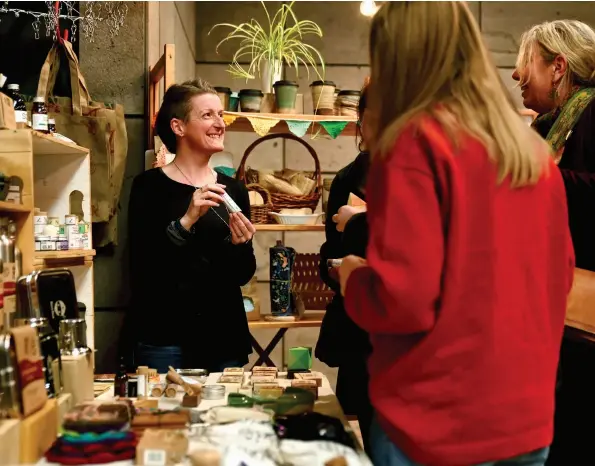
(189, 255)
(341, 342)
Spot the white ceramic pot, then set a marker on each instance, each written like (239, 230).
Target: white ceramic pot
(270, 72)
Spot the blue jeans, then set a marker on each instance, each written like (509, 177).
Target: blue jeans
(161, 357)
(386, 453)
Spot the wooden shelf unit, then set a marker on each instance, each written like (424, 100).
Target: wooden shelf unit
(51, 169)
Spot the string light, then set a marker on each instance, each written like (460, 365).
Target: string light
(112, 12)
(368, 8)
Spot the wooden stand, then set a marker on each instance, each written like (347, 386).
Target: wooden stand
(51, 170)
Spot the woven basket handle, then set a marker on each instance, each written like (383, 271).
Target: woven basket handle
(266, 195)
(241, 173)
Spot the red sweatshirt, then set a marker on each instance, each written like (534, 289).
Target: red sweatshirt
(464, 296)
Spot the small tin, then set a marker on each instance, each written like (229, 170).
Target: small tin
(40, 218)
(213, 392)
(37, 243)
(62, 243)
(71, 219)
(232, 207)
(73, 337)
(46, 243)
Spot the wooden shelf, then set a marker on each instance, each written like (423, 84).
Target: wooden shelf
(46, 144)
(42, 259)
(242, 124)
(279, 227)
(11, 207)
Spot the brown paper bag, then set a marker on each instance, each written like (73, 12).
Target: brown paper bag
(92, 125)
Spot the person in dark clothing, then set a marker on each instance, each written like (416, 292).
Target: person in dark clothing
(189, 254)
(556, 71)
(341, 342)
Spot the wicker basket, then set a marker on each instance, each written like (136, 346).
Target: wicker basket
(306, 282)
(288, 201)
(259, 214)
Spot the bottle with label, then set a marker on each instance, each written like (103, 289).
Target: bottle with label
(121, 381)
(39, 115)
(51, 125)
(20, 110)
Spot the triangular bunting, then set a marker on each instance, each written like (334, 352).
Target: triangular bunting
(333, 128)
(298, 127)
(262, 126)
(229, 119)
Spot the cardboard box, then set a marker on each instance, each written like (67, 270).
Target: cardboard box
(38, 433)
(161, 447)
(7, 119)
(30, 369)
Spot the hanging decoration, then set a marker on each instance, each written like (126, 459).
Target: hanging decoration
(333, 126)
(111, 13)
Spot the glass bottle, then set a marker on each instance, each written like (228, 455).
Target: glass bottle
(39, 115)
(20, 109)
(121, 381)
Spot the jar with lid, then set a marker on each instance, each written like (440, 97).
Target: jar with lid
(20, 110)
(51, 125)
(39, 115)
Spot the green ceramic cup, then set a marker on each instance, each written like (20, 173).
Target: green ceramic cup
(285, 94)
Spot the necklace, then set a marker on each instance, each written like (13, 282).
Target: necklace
(214, 173)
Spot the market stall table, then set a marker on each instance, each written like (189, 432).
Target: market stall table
(327, 404)
(309, 319)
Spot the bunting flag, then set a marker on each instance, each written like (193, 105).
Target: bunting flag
(298, 127)
(262, 126)
(333, 128)
(229, 119)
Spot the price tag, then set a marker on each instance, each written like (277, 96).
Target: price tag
(154, 458)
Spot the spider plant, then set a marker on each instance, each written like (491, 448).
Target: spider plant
(267, 48)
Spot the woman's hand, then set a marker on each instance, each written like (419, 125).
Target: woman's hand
(241, 228)
(202, 200)
(349, 264)
(344, 214)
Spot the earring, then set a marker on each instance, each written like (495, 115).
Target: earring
(553, 94)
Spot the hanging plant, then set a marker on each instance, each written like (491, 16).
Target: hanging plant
(268, 48)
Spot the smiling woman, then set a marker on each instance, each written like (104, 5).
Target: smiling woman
(190, 251)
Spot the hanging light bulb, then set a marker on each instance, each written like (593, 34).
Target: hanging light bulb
(368, 8)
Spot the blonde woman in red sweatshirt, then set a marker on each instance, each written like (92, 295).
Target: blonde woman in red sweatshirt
(469, 259)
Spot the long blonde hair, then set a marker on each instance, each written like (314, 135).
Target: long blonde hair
(428, 58)
(572, 39)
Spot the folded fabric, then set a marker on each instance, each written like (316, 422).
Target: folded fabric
(90, 437)
(110, 448)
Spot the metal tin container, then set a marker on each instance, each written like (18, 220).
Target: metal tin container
(213, 392)
(48, 343)
(200, 375)
(10, 404)
(73, 337)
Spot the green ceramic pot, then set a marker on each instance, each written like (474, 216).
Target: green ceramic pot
(234, 102)
(285, 94)
(250, 100)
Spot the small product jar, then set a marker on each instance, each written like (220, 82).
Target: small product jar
(46, 243)
(38, 242)
(39, 115)
(62, 243)
(51, 125)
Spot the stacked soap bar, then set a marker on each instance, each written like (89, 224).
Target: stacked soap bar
(232, 375)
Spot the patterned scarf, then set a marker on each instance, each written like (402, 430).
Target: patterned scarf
(563, 119)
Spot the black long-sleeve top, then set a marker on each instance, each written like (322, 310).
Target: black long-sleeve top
(186, 288)
(578, 170)
(340, 338)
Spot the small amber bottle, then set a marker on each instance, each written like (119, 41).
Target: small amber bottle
(121, 381)
(39, 115)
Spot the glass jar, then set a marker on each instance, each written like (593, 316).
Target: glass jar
(20, 110)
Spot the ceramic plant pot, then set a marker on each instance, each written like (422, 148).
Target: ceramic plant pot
(285, 94)
(250, 100)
